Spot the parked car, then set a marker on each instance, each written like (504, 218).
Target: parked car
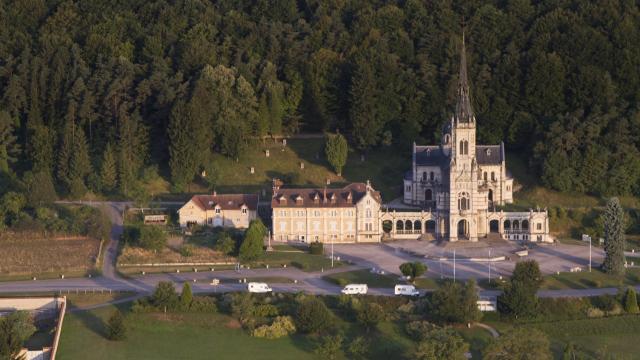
(256, 287)
(406, 290)
(354, 289)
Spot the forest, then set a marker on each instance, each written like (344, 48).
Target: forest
(94, 93)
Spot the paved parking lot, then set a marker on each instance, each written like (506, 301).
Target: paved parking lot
(439, 259)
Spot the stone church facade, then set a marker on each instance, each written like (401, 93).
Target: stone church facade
(458, 185)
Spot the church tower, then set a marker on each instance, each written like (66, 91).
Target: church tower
(463, 184)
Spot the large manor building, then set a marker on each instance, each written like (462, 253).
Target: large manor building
(454, 191)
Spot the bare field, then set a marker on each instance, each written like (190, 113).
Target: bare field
(36, 254)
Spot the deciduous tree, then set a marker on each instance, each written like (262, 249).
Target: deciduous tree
(614, 239)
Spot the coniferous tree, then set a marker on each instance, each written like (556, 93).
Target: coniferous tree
(183, 150)
(116, 329)
(336, 150)
(614, 241)
(363, 112)
(631, 301)
(108, 169)
(9, 148)
(186, 297)
(131, 148)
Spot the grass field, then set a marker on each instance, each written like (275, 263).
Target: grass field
(613, 337)
(25, 256)
(302, 260)
(594, 279)
(362, 277)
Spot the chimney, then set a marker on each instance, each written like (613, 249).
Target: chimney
(275, 187)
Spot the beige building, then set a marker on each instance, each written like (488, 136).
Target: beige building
(346, 215)
(224, 210)
(458, 184)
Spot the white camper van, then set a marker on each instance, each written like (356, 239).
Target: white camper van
(256, 287)
(354, 289)
(407, 290)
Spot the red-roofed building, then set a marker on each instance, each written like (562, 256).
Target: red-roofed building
(219, 210)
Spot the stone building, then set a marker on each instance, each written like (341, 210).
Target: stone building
(346, 215)
(458, 184)
(219, 210)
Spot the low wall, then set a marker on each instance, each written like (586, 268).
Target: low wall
(30, 304)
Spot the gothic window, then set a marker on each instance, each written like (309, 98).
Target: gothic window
(466, 147)
(463, 201)
(493, 176)
(461, 147)
(484, 176)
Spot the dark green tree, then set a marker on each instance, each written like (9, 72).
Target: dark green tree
(336, 150)
(253, 242)
(116, 329)
(165, 296)
(369, 315)
(183, 149)
(519, 298)
(152, 238)
(441, 343)
(9, 148)
(519, 344)
(614, 238)
(15, 329)
(454, 302)
(108, 170)
(631, 301)
(413, 269)
(186, 297)
(313, 316)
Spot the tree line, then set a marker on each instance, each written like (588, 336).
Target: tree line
(92, 93)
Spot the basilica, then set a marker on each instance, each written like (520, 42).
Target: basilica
(459, 184)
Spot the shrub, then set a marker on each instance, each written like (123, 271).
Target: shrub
(329, 347)
(631, 302)
(253, 242)
(265, 310)
(165, 296)
(594, 313)
(313, 316)
(358, 348)
(152, 238)
(316, 248)
(115, 327)
(419, 330)
(203, 304)
(281, 326)
(554, 309)
(186, 297)
(225, 244)
(413, 269)
(370, 315)
(186, 250)
(441, 343)
(453, 302)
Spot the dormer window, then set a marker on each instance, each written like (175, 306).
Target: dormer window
(316, 198)
(333, 198)
(282, 199)
(210, 203)
(244, 210)
(299, 200)
(217, 210)
(488, 151)
(349, 197)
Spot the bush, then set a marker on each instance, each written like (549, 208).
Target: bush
(313, 316)
(413, 269)
(115, 327)
(203, 304)
(225, 244)
(419, 330)
(358, 348)
(453, 302)
(370, 315)
(186, 297)
(281, 326)
(186, 250)
(316, 248)
(165, 296)
(152, 238)
(265, 310)
(329, 347)
(555, 309)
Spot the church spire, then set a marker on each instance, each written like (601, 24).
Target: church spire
(464, 112)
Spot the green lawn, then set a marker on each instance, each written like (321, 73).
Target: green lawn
(614, 336)
(301, 260)
(183, 336)
(362, 277)
(594, 279)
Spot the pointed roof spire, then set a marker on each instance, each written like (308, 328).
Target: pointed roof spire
(464, 112)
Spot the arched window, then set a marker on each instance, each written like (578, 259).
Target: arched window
(424, 176)
(484, 176)
(490, 195)
(525, 224)
(399, 225)
(463, 201)
(516, 225)
(408, 225)
(493, 176)
(466, 147)
(507, 224)
(461, 147)
(432, 176)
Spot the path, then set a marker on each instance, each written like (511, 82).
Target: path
(493, 331)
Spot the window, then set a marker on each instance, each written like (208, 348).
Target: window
(484, 176)
(217, 210)
(244, 210)
(333, 213)
(446, 138)
(424, 176)
(368, 212)
(408, 188)
(368, 227)
(493, 176)
(463, 201)
(539, 226)
(432, 176)
(316, 226)
(316, 213)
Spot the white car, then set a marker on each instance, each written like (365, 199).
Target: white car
(407, 290)
(354, 289)
(256, 287)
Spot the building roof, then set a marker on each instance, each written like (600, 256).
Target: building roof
(464, 111)
(348, 196)
(226, 201)
(489, 154)
(431, 155)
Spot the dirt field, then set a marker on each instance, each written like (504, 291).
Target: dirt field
(27, 254)
(134, 255)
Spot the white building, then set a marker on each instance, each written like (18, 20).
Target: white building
(224, 210)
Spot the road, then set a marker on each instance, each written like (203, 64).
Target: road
(310, 282)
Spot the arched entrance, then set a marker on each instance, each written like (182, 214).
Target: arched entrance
(387, 226)
(430, 226)
(463, 229)
(494, 226)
